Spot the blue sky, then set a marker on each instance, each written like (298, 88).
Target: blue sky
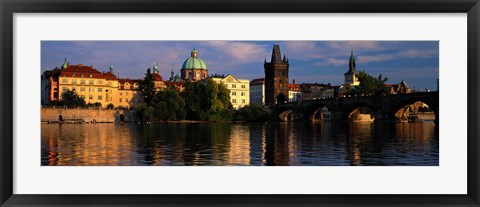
(416, 62)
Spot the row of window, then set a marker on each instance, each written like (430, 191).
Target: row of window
(100, 97)
(100, 82)
(235, 101)
(235, 86)
(234, 93)
(74, 81)
(90, 89)
(256, 87)
(256, 93)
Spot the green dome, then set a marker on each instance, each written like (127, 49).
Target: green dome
(194, 62)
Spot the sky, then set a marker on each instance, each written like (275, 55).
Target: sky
(416, 62)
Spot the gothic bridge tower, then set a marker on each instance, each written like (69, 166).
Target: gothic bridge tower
(276, 78)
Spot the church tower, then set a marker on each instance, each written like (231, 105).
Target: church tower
(276, 78)
(351, 78)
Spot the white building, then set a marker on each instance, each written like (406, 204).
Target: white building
(294, 92)
(239, 89)
(257, 91)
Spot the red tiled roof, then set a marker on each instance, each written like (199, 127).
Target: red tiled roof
(109, 76)
(157, 77)
(79, 70)
(294, 87)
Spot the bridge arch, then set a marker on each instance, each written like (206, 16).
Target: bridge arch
(319, 112)
(359, 112)
(287, 115)
(414, 110)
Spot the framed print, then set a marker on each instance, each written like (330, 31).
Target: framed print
(236, 103)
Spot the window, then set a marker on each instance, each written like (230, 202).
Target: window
(242, 93)
(90, 89)
(74, 81)
(120, 100)
(82, 96)
(99, 89)
(90, 82)
(127, 86)
(82, 81)
(120, 93)
(243, 100)
(243, 86)
(99, 97)
(126, 93)
(234, 86)
(100, 82)
(90, 97)
(226, 85)
(234, 100)
(135, 86)
(82, 89)
(234, 93)
(74, 88)
(126, 100)
(64, 80)
(64, 89)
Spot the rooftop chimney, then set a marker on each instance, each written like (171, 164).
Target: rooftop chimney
(293, 81)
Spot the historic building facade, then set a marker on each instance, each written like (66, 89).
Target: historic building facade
(194, 68)
(276, 78)
(257, 91)
(294, 92)
(94, 86)
(239, 89)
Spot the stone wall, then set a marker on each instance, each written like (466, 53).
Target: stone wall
(87, 115)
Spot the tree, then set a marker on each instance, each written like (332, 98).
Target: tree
(252, 113)
(207, 101)
(147, 87)
(110, 106)
(71, 99)
(170, 106)
(144, 112)
(371, 86)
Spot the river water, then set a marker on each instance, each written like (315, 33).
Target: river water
(225, 144)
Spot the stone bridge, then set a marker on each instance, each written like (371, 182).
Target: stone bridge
(379, 108)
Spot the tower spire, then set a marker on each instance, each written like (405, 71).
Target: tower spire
(111, 67)
(65, 64)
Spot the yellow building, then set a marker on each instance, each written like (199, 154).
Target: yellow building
(95, 86)
(89, 83)
(239, 89)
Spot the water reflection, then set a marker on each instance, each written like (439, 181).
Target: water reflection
(220, 144)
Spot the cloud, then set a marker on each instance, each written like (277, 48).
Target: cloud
(421, 54)
(356, 45)
(244, 52)
(332, 61)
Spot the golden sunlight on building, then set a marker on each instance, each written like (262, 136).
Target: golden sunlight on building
(239, 89)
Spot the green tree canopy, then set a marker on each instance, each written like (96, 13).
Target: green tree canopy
(252, 113)
(371, 86)
(169, 105)
(71, 99)
(207, 101)
(147, 87)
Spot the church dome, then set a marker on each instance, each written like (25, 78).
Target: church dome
(194, 62)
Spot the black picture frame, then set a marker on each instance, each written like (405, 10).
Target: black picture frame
(10, 7)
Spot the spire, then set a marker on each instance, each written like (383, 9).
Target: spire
(351, 63)
(284, 58)
(111, 67)
(172, 74)
(276, 54)
(155, 68)
(65, 64)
